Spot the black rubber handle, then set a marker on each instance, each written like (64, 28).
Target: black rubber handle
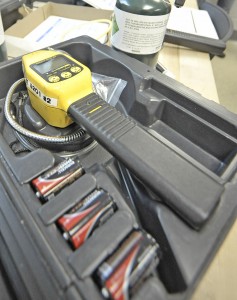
(183, 186)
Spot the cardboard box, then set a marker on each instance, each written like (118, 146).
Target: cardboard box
(26, 25)
(22, 28)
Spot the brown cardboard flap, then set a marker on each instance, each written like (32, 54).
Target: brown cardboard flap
(31, 21)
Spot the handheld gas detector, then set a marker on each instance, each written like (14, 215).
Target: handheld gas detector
(55, 80)
(60, 90)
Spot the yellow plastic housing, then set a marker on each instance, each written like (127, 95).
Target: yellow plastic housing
(54, 81)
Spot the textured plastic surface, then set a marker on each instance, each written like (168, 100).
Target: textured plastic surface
(194, 195)
(39, 261)
(9, 12)
(199, 43)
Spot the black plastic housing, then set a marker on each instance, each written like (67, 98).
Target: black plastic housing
(198, 132)
(9, 12)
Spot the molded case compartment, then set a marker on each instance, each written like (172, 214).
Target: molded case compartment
(200, 131)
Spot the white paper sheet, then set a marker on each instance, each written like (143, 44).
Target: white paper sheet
(56, 29)
(192, 21)
(102, 4)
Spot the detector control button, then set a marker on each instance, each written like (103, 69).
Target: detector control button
(54, 78)
(66, 74)
(75, 69)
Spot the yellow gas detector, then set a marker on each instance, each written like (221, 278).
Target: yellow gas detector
(54, 81)
(144, 155)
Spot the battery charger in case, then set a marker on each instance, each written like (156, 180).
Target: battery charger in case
(79, 222)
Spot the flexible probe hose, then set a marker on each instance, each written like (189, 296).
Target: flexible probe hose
(28, 133)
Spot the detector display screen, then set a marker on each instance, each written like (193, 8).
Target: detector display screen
(51, 64)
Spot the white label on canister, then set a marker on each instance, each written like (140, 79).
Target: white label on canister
(138, 34)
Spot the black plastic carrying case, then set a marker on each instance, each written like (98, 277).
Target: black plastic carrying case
(182, 226)
(9, 12)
